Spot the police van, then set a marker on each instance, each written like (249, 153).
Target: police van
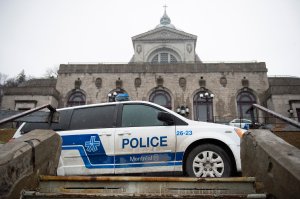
(141, 137)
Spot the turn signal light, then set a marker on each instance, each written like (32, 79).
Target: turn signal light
(239, 132)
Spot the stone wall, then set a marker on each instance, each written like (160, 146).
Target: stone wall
(283, 103)
(224, 80)
(39, 83)
(30, 94)
(23, 160)
(12, 102)
(273, 162)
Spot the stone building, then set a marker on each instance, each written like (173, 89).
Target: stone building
(31, 94)
(234, 86)
(164, 44)
(164, 69)
(283, 96)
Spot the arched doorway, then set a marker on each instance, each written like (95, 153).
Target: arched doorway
(245, 100)
(113, 94)
(162, 98)
(203, 106)
(76, 98)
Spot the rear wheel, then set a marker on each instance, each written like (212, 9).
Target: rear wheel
(208, 160)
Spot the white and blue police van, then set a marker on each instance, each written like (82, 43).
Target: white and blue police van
(141, 137)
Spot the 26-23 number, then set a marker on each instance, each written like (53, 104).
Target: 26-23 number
(187, 132)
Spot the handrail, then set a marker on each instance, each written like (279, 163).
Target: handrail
(277, 115)
(14, 117)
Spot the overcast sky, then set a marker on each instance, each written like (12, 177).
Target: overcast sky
(40, 34)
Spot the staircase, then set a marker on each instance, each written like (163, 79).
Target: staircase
(143, 187)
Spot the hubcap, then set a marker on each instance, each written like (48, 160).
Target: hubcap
(208, 164)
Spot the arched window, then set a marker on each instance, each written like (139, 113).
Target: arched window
(76, 98)
(203, 107)
(163, 58)
(162, 98)
(245, 100)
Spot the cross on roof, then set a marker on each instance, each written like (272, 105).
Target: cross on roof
(165, 6)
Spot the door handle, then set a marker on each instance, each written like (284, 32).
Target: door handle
(107, 134)
(125, 133)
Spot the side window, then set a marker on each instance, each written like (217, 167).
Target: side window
(93, 117)
(138, 115)
(63, 124)
(246, 121)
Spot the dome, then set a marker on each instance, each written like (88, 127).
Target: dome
(165, 21)
(169, 26)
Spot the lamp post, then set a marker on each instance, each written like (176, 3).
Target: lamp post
(112, 96)
(207, 96)
(183, 110)
(291, 112)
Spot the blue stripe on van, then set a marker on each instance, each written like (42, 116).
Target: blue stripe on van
(98, 158)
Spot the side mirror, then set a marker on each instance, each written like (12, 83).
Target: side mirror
(165, 117)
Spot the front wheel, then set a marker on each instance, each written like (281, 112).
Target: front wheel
(208, 160)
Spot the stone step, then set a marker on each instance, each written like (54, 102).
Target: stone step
(143, 187)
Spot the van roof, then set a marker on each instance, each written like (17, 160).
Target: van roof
(106, 103)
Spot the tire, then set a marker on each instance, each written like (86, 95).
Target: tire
(208, 160)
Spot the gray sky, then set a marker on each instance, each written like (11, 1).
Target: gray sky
(40, 34)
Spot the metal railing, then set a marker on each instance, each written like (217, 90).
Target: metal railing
(267, 122)
(262, 119)
(274, 114)
(44, 117)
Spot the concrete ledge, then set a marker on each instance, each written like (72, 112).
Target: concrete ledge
(25, 158)
(274, 163)
(34, 90)
(163, 68)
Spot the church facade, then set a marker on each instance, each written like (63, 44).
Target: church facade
(165, 69)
